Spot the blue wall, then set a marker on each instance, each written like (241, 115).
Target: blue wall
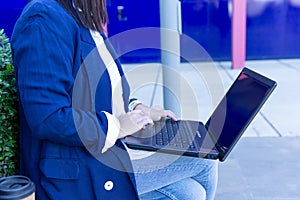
(273, 29)
(10, 10)
(273, 26)
(135, 14)
(209, 23)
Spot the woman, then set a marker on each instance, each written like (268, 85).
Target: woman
(73, 112)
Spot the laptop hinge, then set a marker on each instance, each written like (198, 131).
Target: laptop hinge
(220, 149)
(217, 145)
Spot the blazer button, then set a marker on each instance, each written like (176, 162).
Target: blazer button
(108, 185)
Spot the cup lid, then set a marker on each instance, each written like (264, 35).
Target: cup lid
(16, 187)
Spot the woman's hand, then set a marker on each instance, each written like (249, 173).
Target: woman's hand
(155, 114)
(132, 122)
(141, 116)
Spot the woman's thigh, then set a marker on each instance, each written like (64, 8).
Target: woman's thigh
(187, 189)
(160, 170)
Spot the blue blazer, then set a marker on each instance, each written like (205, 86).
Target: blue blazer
(64, 89)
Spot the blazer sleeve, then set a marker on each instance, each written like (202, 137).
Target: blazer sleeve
(43, 54)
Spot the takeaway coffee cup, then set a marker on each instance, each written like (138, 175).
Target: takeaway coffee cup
(17, 188)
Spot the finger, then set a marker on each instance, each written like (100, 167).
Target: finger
(143, 121)
(156, 115)
(171, 115)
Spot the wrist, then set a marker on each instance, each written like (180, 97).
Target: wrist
(139, 106)
(133, 104)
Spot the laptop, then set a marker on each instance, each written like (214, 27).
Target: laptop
(218, 136)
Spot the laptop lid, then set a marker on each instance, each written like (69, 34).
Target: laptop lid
(237, 109)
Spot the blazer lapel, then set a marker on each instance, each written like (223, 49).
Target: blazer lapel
(92, 70)
(87, 42)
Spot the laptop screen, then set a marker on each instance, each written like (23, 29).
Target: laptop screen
(239, 106)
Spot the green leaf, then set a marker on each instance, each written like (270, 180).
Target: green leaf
(8, 111)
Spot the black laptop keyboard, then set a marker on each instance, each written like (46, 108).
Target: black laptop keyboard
(173, 133)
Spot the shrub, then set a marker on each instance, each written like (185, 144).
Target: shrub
(9, 160)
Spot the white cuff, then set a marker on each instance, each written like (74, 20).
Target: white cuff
(112, 131)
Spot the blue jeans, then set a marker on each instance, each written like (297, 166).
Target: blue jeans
(165, 176)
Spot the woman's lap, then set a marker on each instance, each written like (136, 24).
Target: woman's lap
(162, 174)
(177, 191)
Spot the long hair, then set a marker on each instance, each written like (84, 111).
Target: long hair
(91, 14)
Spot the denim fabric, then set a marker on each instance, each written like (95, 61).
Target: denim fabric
(165, 176)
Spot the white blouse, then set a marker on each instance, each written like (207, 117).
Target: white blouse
(117, 91)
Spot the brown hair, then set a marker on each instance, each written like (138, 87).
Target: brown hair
(91, 14)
